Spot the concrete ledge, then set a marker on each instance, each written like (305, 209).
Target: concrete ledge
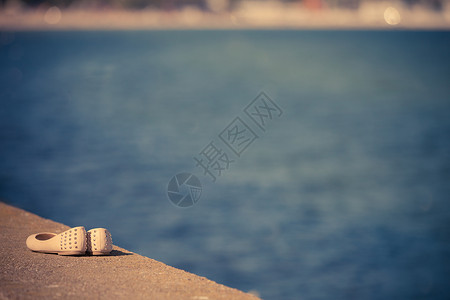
(123, 275)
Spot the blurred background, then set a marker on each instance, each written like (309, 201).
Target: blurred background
(345, 196)
(144, 14)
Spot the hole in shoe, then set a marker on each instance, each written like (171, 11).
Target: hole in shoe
(44, 236)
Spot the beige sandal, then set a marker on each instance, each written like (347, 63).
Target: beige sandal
(69, 242)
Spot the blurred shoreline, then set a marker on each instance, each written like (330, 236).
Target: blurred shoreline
(249, 15)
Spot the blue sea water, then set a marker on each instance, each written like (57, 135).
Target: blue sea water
(345, 196)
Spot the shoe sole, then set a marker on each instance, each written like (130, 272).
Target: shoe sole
(71, 253)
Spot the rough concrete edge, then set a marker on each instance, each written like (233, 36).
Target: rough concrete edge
(115, 247)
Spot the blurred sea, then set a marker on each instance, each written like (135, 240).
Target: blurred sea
(345, 196)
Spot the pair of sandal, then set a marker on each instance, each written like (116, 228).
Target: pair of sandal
(75, 241)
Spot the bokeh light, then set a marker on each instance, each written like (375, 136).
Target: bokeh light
(392, 16)
(53, 15)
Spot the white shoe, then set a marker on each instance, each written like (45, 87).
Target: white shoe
(69, 242)
(99, 241)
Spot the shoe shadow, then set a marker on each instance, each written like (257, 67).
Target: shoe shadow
(119, 253)
(112, 253)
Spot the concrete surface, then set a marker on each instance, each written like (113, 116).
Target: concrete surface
(122, 275)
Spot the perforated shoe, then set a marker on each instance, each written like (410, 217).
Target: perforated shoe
(99, 241)
(69, 242)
